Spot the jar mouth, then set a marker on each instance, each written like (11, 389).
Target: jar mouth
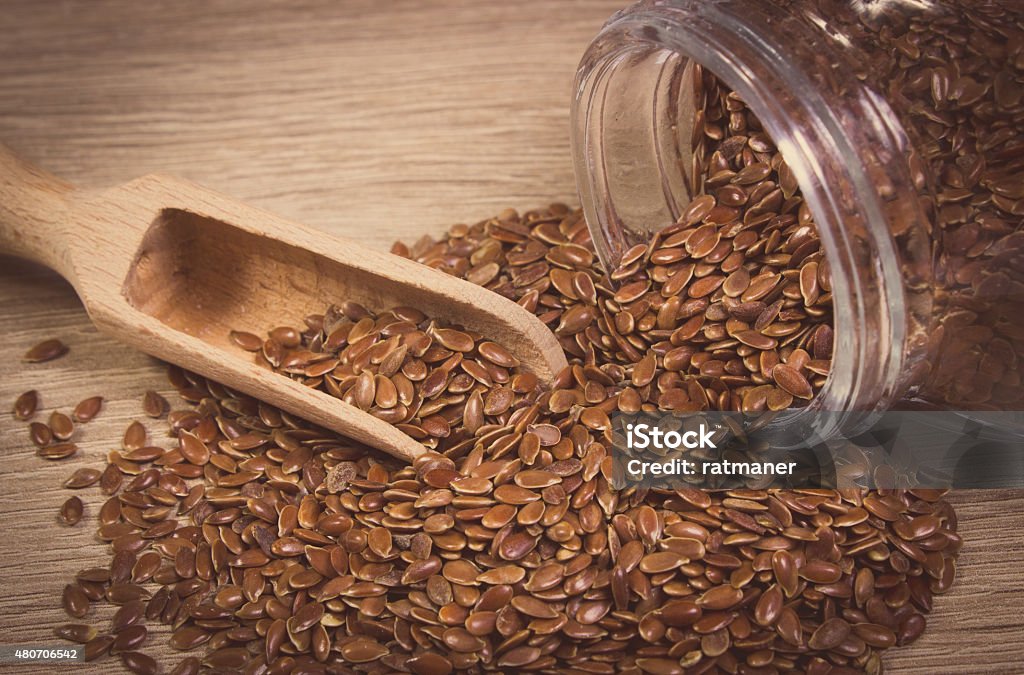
(822, 142)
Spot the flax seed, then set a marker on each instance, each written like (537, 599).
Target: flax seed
(26, 404)
(71, 511)
(87, 409)
(47, 350)
(254, 535)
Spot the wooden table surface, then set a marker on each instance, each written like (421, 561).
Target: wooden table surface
(372, 120)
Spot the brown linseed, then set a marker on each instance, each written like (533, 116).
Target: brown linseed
(262, 540)
(47, 350)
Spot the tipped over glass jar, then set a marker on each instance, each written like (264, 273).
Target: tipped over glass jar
(901, 123)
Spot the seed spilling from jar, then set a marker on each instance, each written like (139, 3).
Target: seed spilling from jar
(728, 309)
(291, 546)
(260, 539)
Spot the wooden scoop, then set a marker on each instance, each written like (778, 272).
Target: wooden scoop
(171, 268)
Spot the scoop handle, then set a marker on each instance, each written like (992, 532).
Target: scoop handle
(35, 212)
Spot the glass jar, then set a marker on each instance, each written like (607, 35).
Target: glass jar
(902, 122)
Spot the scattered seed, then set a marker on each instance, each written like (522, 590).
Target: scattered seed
(47, 350)
(154, 405)
(140, 663)
(75, 601)
(88, 408)
(40, 434)
(26, 404)
(97, 647)
(61, 426)
(71, 511)
(76, 632)
(58, 451)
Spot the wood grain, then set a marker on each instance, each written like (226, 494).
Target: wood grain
(364, 119)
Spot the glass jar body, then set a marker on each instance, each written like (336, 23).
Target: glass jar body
(901, 121)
